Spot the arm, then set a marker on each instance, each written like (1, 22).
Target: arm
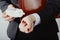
(50, 11)
(46, 15)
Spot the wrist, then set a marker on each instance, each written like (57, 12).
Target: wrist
(37, 19)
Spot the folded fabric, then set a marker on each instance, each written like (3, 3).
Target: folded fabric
(14, 12)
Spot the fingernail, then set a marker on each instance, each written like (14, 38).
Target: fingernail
(24, 23)
(28, 30)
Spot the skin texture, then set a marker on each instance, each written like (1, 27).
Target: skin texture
(27, 24)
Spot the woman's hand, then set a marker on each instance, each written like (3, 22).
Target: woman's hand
(7, 17)
(27, 24)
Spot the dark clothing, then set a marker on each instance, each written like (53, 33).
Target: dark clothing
(47, 28)
(35, 36)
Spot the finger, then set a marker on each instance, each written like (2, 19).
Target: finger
(28, 30)
(4, 15)
(10, 18)
(31, 29)
(26, 25)
(7, 19)
(21, 27)
(10, 6)
(24, 22)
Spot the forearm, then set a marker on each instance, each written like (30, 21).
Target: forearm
(49, 12)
